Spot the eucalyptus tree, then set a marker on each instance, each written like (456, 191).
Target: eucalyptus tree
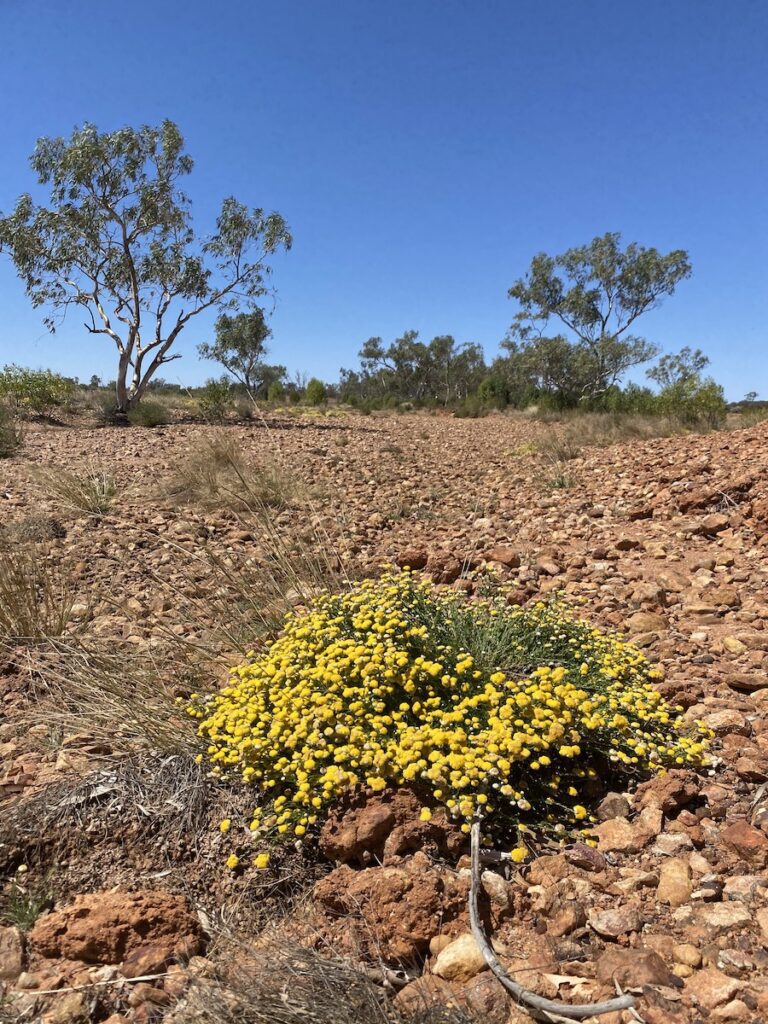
(240, 346)
(678, 368)
(116, 241)
(595, 292)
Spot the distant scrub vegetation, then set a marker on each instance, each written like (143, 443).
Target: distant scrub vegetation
(116, 240)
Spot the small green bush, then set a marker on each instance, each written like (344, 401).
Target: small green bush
(471, 409)
(11, 436)
(276, 392)
(695, 402)
(148, 414)
(316, 392)
(36, 391)
(493, 392)
(215, 399)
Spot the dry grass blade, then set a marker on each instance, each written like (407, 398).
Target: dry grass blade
(290, 984)
(92, 491)
(117, 696)
(218, 476)
(166, 797)
(36, 597)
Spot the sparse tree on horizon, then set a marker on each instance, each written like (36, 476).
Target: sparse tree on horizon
(596, 292)
(116, 241)
(240, 346)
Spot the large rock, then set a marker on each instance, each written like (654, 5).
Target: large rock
(610, 924)
(620, 836)
(11, 953)
(461, 960)
(426, 993)
(108, 927)
(715, 919)
(364, 827)
(392, 912)
(669, 792)
(746, 840)
(507, 556)
(710, 988)
(633, 968)
(674, 882)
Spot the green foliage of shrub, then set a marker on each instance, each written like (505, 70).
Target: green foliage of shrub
(11, 436)
(316, 392)
(148, 414)
(471, 409)
(36, 391)
(215, 399)
(695, 402)
(276, 391)
(493, 392)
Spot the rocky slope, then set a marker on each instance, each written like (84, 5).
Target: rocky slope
(666, 539)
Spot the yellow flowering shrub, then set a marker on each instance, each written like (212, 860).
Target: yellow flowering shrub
(483, 708)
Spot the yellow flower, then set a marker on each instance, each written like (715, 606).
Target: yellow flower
(261, 861)
(519, 854)
(368, 687)
(225, 825)
(426, 814)
(232, 861)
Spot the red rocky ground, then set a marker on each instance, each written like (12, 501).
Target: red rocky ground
(666, 539)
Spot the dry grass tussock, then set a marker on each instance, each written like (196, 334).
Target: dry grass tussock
(92, 492)
(571, 432)
(219, 476)
(165, 798)
(117, 695)
(290, 984)
(36, 596)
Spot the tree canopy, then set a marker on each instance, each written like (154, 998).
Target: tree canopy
(596, 292)
(410, 370)
(116, 241)
(240, 346)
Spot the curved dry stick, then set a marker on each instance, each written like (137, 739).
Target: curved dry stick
(524, 996)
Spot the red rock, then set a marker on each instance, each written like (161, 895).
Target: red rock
(505, 555)
(713, 524)
(668, 792)
(585, 857)
(427, 992)
(394, 911)
(444, 568)
(107, 927)
(633, 968)
(567, 919)
(365, 826)
(413, 558)
(610, 924)
(710, 988)
(487, 999)
(749, 842)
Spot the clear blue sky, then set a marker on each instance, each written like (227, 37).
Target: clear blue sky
(422, 151)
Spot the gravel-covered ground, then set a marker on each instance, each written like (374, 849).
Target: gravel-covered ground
(664, 538)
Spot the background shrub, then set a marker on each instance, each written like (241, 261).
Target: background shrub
(36, 391)
(148, 414)
(11, 436)
(276, 391)
(215, 399)
(316, 392)
(695, 403)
